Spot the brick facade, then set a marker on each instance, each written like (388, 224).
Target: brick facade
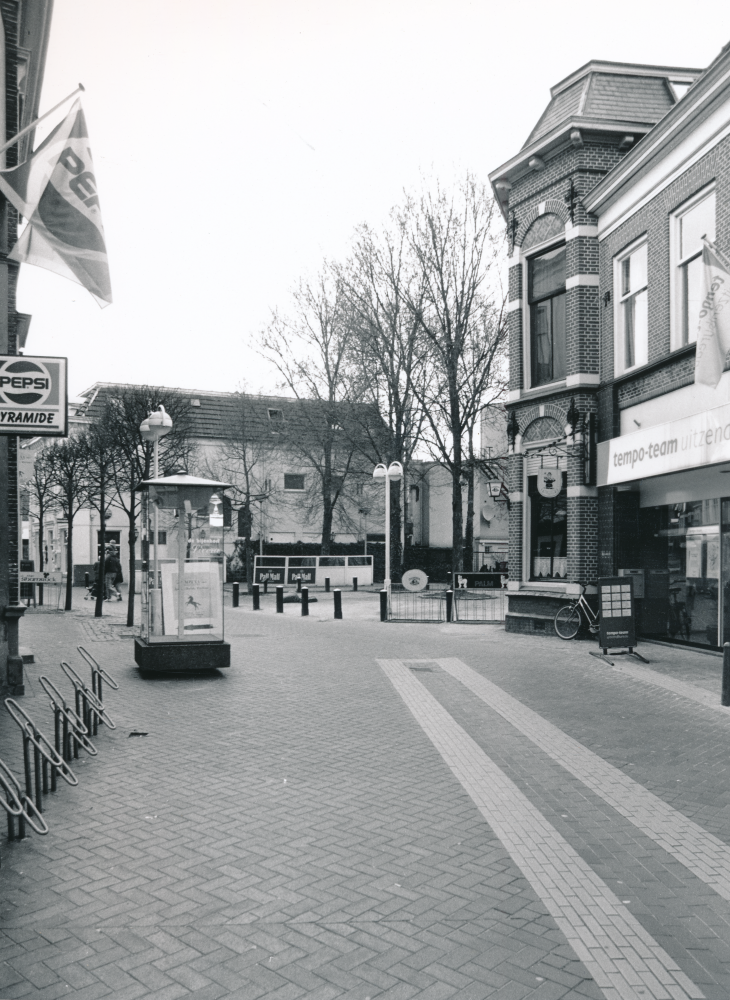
(542, 195)
(32, 19)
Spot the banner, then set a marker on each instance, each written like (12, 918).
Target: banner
(713, 332)
(55, 190)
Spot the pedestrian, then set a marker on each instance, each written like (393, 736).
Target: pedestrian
(112, 567)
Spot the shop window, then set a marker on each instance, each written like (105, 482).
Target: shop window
(546, 296)
(548, 531)
(690, 223)
(681, 559)
(632, 320)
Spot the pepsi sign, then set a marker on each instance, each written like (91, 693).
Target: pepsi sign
(33, 396)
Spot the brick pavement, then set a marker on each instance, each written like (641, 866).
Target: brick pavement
(288, 828)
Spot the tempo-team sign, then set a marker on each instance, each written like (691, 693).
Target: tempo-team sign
(33, 396)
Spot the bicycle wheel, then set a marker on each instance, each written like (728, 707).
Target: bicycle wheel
(567, 621)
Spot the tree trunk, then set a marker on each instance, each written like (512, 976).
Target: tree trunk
(69, 562)
(40, 552)
(132, 561)
(457, 521)
(469, 532)
(102, 556)
(326, 527)
(248, 557)
(396, 549)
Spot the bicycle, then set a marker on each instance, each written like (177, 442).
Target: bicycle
(568, 618)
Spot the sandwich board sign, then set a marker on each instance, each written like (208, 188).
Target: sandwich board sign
(33, 396)
(617, 624)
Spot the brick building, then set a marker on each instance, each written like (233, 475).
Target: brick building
(24, 32)
(587, 198)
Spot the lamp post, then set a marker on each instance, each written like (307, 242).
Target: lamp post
(152, 428)
(393, 471)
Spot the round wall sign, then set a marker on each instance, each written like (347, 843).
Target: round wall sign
(414, 579)
(549, 482)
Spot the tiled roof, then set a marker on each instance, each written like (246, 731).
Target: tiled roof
(562, 106)
(636, 95)
(628, 98)
(218, 415)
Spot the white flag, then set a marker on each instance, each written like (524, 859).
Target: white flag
(713, 331)
(55, 190)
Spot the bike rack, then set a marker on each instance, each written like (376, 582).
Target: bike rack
(73, 728)
(88, 706)
(17, 804)
(98, 674)
(43, 755)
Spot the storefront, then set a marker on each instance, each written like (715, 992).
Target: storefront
(672, 483)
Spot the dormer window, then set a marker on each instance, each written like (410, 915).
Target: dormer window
(546, 296)
(276, 416)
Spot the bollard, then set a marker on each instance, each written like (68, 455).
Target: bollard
(256, 597)
(280, 600)
(449, 605)
(87, 582)
(299, 585)
(383, 605)
(305, 601)
(726, 674)
(266, 586)
(354, 583)
(327, 584)
(235, 595)
(338, 602)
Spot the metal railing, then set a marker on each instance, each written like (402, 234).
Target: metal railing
(485, 607)
(422, 606)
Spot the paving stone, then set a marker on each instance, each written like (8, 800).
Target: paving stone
(293, 804)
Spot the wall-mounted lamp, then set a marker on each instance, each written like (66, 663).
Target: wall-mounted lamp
(606, 299)
(573, 417)
(513, 428)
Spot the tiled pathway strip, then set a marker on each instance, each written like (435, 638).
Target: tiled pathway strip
(703, 697)
(617, 951)
(700, 852)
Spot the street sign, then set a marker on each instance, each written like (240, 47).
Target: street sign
(33, 396)
(617, 624)
(41, 577)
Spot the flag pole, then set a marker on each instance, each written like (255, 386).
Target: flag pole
(29, 128)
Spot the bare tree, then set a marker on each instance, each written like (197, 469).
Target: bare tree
(126, 406)
(245, 461)
(388, 353)
(67, 473)
(310, 350)
(455, 241)
(100, 453)
(43, 498)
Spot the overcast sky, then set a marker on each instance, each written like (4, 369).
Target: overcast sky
(238, 143)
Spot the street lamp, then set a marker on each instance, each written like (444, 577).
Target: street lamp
(393, 471)
(152, 428)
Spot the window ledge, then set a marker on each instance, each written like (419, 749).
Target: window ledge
(549, 389)
(680, 352)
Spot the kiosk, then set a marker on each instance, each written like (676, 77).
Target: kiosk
(182, 599)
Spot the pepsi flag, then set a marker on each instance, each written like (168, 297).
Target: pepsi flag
(55, 190)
